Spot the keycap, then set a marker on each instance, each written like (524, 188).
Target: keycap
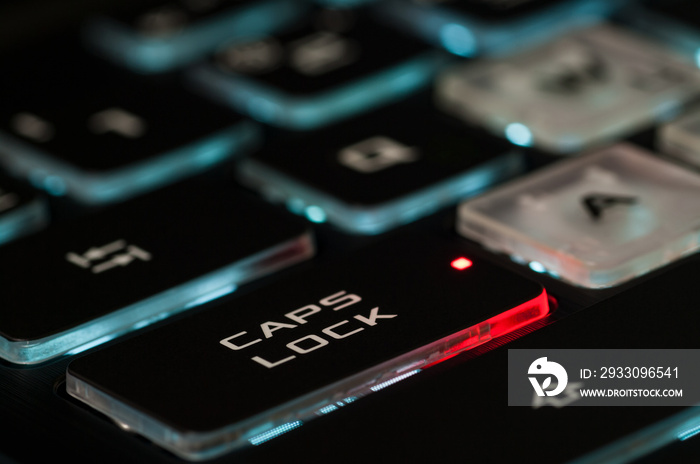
(594, 221)
(135, 263)
(164, 35)
(675, 23)
(618, 83)
(463, 403)
(100, 134)
(385, 169)
(680, 138)
(22, 210)
(475, 27)
(335, 64)
(244, 371)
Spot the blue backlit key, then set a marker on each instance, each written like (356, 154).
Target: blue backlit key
(477, 27)
(74, 125)
(168, 34)
(22, 210)
(335, 64)
(137, 262)
(385, 169)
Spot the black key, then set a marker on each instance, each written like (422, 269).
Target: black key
(463, 403)
(257, 366)
(22, 210)
(75, 125)
(140, 261)
(334, 64)
(385, 169)
(164, 34)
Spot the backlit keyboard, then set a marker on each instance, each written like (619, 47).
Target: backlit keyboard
(311, 231)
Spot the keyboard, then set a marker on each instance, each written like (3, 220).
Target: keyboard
(315, 231)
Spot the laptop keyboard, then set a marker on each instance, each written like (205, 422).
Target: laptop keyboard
(256, 230)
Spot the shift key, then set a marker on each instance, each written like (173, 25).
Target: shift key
(250, 368)
(137, 262)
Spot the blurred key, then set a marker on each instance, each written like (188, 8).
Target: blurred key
(681, 138)
(22, 210)
(335, 64)
(676, 23)
(584, 89)
(163, 35)
(594, 221)
(242, 372)
(76, 126)
(477, 27)
(388, 168)
(135, 263)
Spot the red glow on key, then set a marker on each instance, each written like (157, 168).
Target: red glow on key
(461, 263)
(520, 316)
(497, 326)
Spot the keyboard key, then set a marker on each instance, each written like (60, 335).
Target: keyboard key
(595, 221)
(99, 134)
(681, 138)
(476, 27)
(617, 82)
(243, 371)
(465, 400)
(676, 23)
(385, 169)
(22, 210)
(169, 34)
(336, 64)
(135, 263)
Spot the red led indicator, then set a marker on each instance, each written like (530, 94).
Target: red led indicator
(461, 264)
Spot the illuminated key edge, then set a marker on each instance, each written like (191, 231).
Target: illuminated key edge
(376, 219)
(26, 219)
(200, 445)
(277, 108)
(147, 55)
(647, 440)
(60, 178)
(463, 35)
(159, 306)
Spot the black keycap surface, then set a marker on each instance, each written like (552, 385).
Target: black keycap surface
(104, 132)
(383, 169)
(135, 257)
(326, 50)
(317, 337)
